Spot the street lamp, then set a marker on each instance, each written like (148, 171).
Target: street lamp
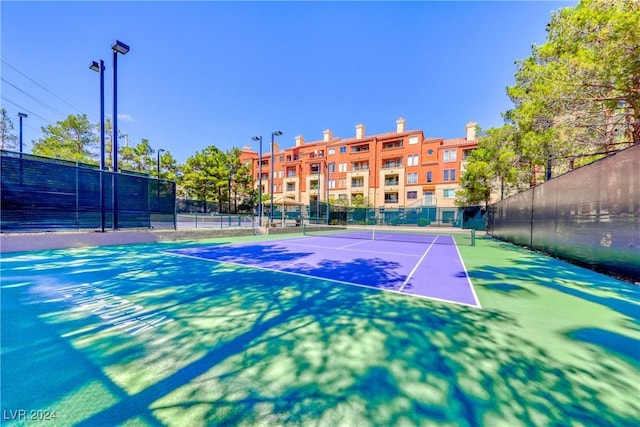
(21, 116)
(159, 151)
(118, 48)
(99, 67)
(326, 164)
(273, 135)
(259, 138)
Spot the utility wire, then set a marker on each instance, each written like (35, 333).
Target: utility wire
(24, 109)
(35, 82)
(34, 98)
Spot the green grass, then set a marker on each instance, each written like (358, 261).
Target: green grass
(554, 344)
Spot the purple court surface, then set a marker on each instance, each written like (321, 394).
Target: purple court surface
(428, 270)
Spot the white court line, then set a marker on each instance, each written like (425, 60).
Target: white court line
(473, 290)
(417, 264)
(308, 276)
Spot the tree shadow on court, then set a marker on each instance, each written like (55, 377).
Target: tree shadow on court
(247, 346)
(563, 277)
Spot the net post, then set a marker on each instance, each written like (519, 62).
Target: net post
(473, 237)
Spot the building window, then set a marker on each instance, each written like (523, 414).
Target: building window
(413, 140)
(332, 151)
(281, 159)
(449, 175)
(412, 160)
(412, 178)
(466, 154)
(450, 155)
(342, 182)
(291, 186)
(343, 149)
(429, 176)
(342, 197)
(412, 195)
(279, 174)
(449, 194)
(430, 152)
(332, 183)
(357, 182)
(332, 167)
(342, 167)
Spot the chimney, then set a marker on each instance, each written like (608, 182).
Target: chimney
(328, 135)
(400, 125)
(276, 148)
(359, 131)
(299, 140)
(471, 131)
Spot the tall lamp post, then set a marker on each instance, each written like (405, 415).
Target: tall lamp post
(118, 48)
(259, 138)
(273, 135)
(318, 210)
(21, 116)
(99, 68)
(326, 164)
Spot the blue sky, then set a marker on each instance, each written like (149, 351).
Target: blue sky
(217, 73)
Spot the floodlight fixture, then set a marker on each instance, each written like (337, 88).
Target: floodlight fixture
(120, 47)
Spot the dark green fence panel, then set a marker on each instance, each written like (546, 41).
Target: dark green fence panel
(41, 194)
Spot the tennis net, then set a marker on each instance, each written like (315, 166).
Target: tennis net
(460, 237)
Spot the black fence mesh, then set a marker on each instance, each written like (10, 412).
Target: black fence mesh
(40, 194)
(590, 215)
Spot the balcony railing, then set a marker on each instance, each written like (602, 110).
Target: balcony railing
(390, 165)
(360, 168)
(357, 184)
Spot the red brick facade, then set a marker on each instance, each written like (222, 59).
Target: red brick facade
(394, 169)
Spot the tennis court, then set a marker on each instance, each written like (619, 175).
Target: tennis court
(423, 264)
(289, 331)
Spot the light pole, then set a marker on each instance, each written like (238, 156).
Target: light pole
(318, 210)
(160, 150)
(118, 48)
(259, 138)
(326, 165)
(21, 116)
(99, 67)
(273, 135)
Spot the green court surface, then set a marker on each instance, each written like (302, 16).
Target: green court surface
(220, 344)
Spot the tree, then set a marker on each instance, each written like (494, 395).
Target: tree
(204, 175)
(137, 158)
(70, 139)
(169, 167)
(579, 93)
(8, 140)
(359, 201)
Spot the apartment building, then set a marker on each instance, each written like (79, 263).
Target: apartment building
(391, 170)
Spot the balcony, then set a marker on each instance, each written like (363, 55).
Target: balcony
(390, 182)
(360, 149)
(392, 145)
(390, 165)
(356, 168)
